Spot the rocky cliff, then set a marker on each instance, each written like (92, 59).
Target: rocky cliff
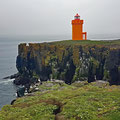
(69, 61)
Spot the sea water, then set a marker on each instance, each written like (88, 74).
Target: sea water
(8, 54)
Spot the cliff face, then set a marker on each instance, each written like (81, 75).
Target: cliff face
(70, 61)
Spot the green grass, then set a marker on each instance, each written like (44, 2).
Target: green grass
(87, 42)
(76, 102)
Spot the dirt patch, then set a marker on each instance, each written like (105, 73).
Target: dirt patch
(56, 112)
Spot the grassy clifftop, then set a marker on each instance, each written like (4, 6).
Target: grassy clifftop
(59, 101)
(87, 42)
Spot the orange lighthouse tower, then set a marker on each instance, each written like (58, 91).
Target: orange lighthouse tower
(77, 29)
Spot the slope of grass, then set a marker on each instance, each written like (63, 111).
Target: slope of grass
(66, 102)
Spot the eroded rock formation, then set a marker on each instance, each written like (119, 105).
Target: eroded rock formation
(69, 61)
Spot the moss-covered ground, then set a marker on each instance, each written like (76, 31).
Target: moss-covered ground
(87, 42)
(59, 101)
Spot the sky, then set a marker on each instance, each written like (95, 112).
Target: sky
(52, 17)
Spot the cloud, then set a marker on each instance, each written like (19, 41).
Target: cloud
(54, 17)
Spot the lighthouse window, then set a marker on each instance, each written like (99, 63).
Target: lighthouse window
(77, 17)
(83, 36)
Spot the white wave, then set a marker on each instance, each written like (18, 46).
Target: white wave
(6, 81)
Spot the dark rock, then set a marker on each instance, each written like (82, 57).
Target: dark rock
(20, 91)
(13, 101)
(12, 76)
(69, 62)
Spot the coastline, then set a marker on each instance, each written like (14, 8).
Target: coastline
(52, 99)
(27, 78)
(61, 78)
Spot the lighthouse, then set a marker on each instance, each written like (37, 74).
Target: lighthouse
(77, 29)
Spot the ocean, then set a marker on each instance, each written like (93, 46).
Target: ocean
(8, 54)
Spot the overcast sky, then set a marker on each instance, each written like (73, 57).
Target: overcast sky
(42, 17)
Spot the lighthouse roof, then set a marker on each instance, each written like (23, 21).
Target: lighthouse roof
(77, 15)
